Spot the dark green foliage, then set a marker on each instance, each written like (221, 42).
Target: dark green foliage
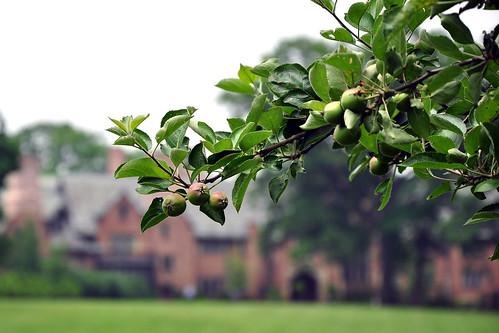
(60, 148)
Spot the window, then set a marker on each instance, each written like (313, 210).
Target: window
(215, 246)
(211, 287)
(473, 278)
(168, 263)
(121, 244)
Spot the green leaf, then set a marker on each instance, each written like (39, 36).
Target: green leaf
(251, 139)
(457, 29)
(359, 17)
(225, 144)
(384, 188)
(446, 93)
(239, 132)
(271, 119)
(487, 213)
(487, 185)
(352, 119)
(235, 123)
(337, 83)
(177, 156)
(116, 130)
(346, 62)
(239, 189)
(203, 130)
(441, 189)
(339, 35)
(119, 124)
(145, 190)
(173, 124)
(443, 45)
(492, 132)
(158, 183)
(314, 120)
(246, 75)
(235, 85)
(495, 255)
(196, 156)
(142, 167)
(138, 120)
(217, 216)
(431, 160)
(290, 83)
(488, 107)
(472, 140)
(243, 164)
(277, 185)
(396, 136)
(315, 105)
(420, 122)
(319, 81)
(449, 122)
(266, 67)
(221, 159)
(418, 18)
(257, 107)
(443, 77)
(153, 215)
(142, 139)
(441, 144)
(126, 140)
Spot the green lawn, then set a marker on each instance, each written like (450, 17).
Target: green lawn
(205, 316)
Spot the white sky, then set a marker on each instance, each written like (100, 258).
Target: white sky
(84, 61)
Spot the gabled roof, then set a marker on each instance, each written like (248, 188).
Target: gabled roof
(87, 196)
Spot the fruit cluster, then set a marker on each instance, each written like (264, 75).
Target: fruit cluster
(350, 112)
(198, 194)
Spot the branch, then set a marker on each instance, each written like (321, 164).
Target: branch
(180, 180)
(430, 73)
(266, 151)
(343, 25)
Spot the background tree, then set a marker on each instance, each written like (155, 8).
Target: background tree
(9, 153)
(299, 50)
(59, 148)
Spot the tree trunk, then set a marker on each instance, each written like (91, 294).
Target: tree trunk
(422, 245)
(389, 294)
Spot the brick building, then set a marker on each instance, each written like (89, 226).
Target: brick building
(96, 218)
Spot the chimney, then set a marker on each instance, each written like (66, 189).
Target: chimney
(115, 157)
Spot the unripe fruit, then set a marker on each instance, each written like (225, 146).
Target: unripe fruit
(378, 167)
(403, 101)
(393, 62)
(346, 137)
(198, 194)
(423, 46)
(371, 74)
(333, 113)
(353, 99)
(174, 204)
(218, 201)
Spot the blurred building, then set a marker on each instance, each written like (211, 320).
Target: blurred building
(97, 220)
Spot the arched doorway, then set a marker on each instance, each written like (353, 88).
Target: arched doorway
(304, 287)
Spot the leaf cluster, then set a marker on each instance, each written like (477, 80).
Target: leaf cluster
(438, 119)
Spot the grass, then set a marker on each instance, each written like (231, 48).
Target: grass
(207, 316)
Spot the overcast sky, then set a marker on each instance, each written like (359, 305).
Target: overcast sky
(85, 61)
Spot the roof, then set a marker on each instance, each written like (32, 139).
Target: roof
(88, 195)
